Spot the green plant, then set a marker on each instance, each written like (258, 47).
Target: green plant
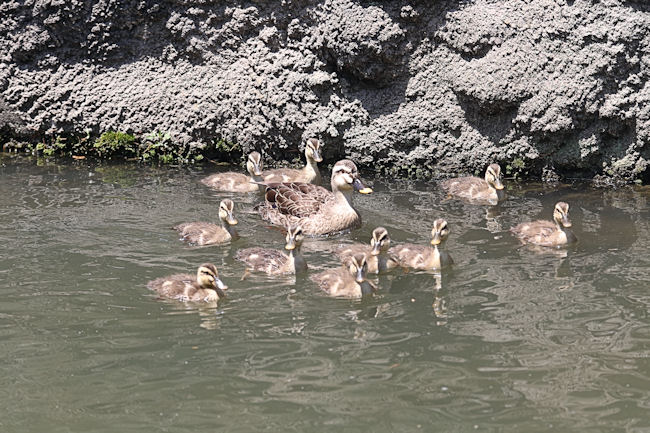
(516, 168)
(113, 143)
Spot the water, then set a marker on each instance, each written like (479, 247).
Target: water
(514, 340)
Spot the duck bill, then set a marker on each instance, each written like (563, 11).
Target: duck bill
(498, 184)
(376, 249)
(231, 220)
(565, 221)
(291, 245)
(436, 239)
(360, 278)
(317, 156)
(360, 187)
(221, 288)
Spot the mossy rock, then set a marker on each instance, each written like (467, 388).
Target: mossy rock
(116, 143)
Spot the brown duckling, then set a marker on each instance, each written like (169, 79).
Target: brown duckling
(206, 286)
(377, 256)
(348, 281)
(312, 207)
(477, 190)
(203, 233)
(547, 233)
(238, 182)
(275, 262)
(421, 257)
(308, 174)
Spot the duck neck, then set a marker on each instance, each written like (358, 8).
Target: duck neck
(567, 233)
(434, 258)
(258, 179)
(343, 196)
(296, 258)
(385, 262)
(230, 229)
(366, 287)
(311, 171)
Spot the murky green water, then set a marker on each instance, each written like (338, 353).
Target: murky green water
(515, 340)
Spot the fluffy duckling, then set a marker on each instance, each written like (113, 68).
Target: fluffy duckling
(202, 233)
(547, 233)
(312, 207)
(477, 190)
(377, 256)
(346, 282)
(308, 174)
(422, 257)
(275, 262)
(206, 286)
(238, 182)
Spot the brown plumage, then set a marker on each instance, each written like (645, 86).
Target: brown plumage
(238, 182)
(423, 257)
(314, 208)
(308, 174)
(275, 262)
(203, 233)
(476, 190)
(348, 281)
(548, 233)
(377, 256)
(205, 286)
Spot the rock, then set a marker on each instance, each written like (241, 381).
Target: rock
(444, 86)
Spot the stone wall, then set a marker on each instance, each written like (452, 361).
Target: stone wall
(542, 86)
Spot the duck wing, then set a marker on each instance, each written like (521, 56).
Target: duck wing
(262, 259)
(296, 198)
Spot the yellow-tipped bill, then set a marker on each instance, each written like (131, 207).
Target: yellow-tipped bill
(291, 245)
(359, 186)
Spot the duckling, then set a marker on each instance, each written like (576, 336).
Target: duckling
(238, 182)
(275, 262)
(202, 233)
(477, 190)
(312, 207)
(346, 282)
(206, 286)
(377, 256)
(309, 174)
(547, 233)
(422, 257)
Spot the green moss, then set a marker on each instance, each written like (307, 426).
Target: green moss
(517, 168)
(115, 143)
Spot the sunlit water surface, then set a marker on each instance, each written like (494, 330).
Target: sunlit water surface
(514, 339)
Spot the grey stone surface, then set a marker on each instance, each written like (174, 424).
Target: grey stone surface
(558, 86)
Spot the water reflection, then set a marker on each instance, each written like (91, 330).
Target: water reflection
(509, 338)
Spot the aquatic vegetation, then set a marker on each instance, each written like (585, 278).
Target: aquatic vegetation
(115, 143)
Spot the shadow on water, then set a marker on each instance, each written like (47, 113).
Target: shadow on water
(509, 339)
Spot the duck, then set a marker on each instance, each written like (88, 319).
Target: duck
(476, 190)
(377, 256)
(275, 262)
(238, 182)
(554, 233)
(206, 286)
(308, 174)
(348, 281)
(204, 233)
(422, 257)
(312, 207)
